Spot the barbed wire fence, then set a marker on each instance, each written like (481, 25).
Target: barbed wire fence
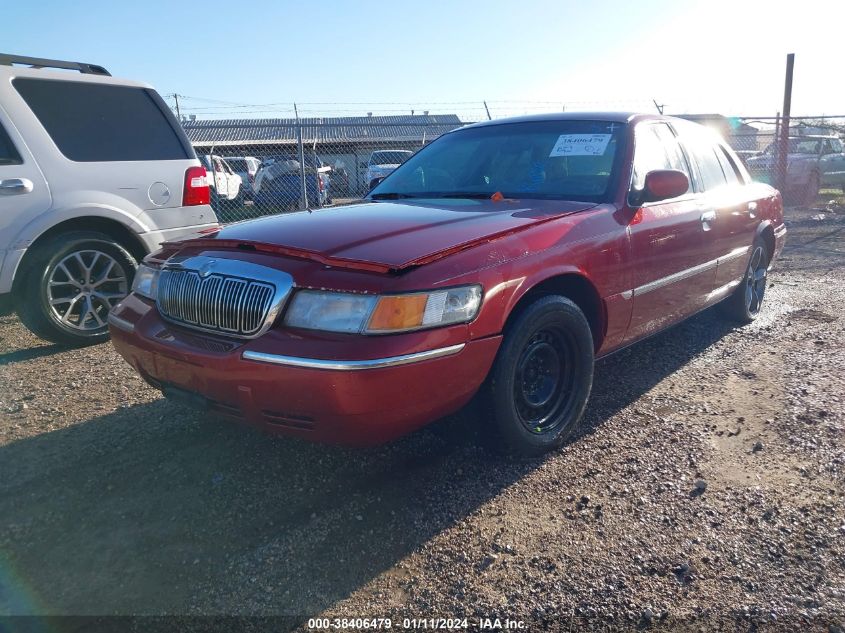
(273, 158)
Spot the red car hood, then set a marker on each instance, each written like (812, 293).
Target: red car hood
(389, 236)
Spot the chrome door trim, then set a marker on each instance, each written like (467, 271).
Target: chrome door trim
(690, 272)
(675, 277)
(351, 365)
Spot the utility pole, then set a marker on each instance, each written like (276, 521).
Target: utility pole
(301, 158)
(489, 118)
(783, 147)
(178, 112)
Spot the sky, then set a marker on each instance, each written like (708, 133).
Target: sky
(336, 58)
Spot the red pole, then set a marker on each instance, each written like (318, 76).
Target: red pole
(783, 147)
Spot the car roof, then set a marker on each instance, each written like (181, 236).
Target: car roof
(612, 117)
(66, 75)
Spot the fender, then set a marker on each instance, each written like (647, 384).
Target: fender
(40, 224)
(527, 284)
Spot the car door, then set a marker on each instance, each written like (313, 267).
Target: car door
(23, 193)
(671, 256)
(734, 210)
(832, 163)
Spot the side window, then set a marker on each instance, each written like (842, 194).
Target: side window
(656, 148)
(705, 155)
(837, 145)
(8, 154)
(730, 170)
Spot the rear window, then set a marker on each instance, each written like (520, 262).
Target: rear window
(237, 164)
(96, 122)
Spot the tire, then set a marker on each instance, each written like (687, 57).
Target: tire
(63, 302)
(746, 301)
(538, 387)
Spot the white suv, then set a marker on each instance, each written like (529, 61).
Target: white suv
(95, 172)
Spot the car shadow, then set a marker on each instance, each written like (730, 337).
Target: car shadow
(30, 353)
(152, 509)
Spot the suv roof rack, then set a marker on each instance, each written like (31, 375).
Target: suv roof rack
(7, 59)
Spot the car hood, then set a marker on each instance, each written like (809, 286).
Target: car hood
(389, 236)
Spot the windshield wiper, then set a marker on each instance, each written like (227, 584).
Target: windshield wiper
(393, 195)
(473, 195)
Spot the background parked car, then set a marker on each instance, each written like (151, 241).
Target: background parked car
(383, 162)
(279, 181)
(225, 184)
(95, 172)
(812, 162)
(246, 167)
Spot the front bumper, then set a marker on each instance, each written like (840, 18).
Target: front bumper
(269, 383)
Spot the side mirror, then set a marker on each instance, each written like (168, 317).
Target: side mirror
(664, 184)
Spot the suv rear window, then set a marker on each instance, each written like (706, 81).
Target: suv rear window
(98, 122)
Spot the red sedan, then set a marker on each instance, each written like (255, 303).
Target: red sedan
(501, 259)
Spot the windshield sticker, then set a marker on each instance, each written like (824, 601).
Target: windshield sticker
(580, 145)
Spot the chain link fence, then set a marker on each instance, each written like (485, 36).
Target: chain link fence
(266, 166)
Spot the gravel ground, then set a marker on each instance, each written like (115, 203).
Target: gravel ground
(706, 491)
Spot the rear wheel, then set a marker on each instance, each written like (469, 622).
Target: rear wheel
(746, 301)
(541, 380)
(71, 284)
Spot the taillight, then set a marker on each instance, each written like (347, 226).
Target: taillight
(196, 187)
(322, 184)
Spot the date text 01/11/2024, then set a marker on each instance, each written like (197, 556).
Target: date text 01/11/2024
(483, 624)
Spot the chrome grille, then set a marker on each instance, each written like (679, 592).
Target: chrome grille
(215, 302)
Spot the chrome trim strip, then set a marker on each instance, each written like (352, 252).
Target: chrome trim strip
(351, 365)
(120, 324)
(690, 272)
(781, 230)
(679, 276)
(737, 252)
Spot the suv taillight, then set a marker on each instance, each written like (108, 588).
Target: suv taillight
(196, 187)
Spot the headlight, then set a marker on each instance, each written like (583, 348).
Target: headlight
(330, 311)
(370, 314)
(146, 281)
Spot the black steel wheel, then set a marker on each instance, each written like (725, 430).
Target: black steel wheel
(541, 380)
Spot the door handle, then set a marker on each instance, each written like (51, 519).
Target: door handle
(708, 216)
(752, 210)
(14, 186)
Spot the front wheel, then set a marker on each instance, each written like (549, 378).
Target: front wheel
(541, 380)
(71, 284)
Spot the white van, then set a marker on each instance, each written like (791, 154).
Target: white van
(95, 172)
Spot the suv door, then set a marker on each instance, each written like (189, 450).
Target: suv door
(23, 196)
(670, 251)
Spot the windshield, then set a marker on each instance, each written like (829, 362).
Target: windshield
(389, 158)
(565, 160)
